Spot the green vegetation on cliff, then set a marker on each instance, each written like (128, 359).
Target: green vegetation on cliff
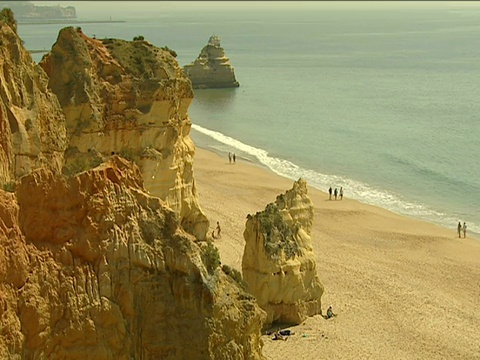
(278, 235)
(6, 16)
(141, 58)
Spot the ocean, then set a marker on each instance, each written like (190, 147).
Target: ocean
(381, 98)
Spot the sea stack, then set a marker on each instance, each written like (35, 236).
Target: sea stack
(279, 263)
(212, 68)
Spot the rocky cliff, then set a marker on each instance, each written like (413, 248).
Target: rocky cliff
(93, 267)
(128, 98)
(278, 262)
(32, 125)
(212, 68)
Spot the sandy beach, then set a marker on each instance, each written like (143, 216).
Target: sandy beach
(402, 288)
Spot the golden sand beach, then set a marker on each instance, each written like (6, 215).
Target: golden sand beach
(402, 288)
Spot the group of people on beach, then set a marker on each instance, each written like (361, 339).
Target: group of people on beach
(336, 193)
(232, 158)
(284, 334)
(462, 228)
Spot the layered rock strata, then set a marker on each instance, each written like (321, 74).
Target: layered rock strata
(212, 68)
(129, 98)
(92, 267)
(278, 262)
(32, 125)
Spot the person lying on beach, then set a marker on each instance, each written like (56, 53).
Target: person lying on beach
(278, 336)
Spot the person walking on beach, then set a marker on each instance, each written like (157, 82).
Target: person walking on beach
(341, 193)
(218, 230)
(464, 228)
(459, 229)
(234, 158)
(229, 158)
(335, 193)
(330, 193)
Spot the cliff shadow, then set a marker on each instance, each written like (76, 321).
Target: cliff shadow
(222, 98)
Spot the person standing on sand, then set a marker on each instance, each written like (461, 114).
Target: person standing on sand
(341, 193)
(218, 230)
(459, 229)
(335, 192)
(464, 228)
(330, 193)
(229, 158)
(234, 158)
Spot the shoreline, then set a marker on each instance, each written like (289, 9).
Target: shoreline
(63, 22)
(402, 288)
(222, 153)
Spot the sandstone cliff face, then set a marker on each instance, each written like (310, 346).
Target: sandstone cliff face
(278, 262)
(212, 68)
(128, 98)
(92, 267)
(32, 125)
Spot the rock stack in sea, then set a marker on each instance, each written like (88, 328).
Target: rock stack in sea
(93, 264)
(212, 68)
(278, 262)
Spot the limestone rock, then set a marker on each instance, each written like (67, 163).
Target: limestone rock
(129, 98)
(92, 267)
(212, 68)
(278, 262)
(32, 124)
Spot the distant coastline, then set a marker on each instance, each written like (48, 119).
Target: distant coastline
(65, 21)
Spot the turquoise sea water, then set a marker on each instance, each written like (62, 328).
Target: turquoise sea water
(382, 98)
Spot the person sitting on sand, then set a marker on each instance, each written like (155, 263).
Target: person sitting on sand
(330, 313)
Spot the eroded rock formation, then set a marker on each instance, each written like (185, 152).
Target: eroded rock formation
(278, 262)
(129, 98)
(212, 68)
(32, 125)
(93, 267)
